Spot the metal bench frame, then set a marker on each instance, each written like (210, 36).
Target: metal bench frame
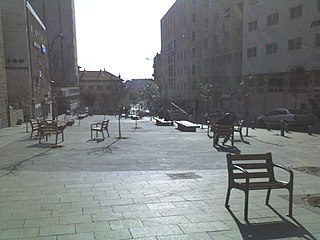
(100, 127)
(255, 172)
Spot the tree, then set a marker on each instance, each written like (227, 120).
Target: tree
(210, 93)
(150, 94)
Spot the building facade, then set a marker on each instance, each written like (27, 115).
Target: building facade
(281, 50)
(101, 92)
(3, 85)
(201, 44)
(26, 59)
(59, 19)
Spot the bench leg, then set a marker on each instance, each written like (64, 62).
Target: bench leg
(241, 137)
(227, 198)
(108, 132)
(290, 200)
(268, 196)
(246, 203)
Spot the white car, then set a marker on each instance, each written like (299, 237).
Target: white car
(289, 116)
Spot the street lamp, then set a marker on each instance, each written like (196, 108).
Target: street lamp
(52, 101)
(50, 45)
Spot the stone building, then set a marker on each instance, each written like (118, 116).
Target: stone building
(201, 43)
(3, 85)
(26, 59)
(100, 92)
(281, 50)
(59, 19)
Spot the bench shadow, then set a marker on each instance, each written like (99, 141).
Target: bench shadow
(281, 229)
(227, 148)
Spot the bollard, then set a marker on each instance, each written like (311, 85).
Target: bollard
(268, 126)
(309, 130)
(282, 128)
(286, 127)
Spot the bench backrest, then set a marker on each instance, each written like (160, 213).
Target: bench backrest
(238, 126)
(259, 166)
(105, 124)
(34, 124)
(49, 128)
(222, 129)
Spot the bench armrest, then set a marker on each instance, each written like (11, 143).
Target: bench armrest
(245, 172)
(96, 124)
(284, 168)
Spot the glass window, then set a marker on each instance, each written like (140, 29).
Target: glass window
(273, 19)
(252, 26)
(317, 40)
(252, 52)
(271, 48)
(294, 44)
(295, 12)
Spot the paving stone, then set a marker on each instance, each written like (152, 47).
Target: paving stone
(191, 236)
(78, 236)
(113, 234)
(155, 231)
(19, 233)
(57, 230)
(124, 224)
(203, 227)
(92, 227)
(41, 222)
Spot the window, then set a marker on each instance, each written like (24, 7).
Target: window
(193, 35)
(193, 69)
(240, 7)
(276, 84)
(193, 17)
(227, 35)
(271, 48)
(317, 40)
(215, 39)
(252, 52)
(273, 19)
(295, 12)
(294, 44)
(252, 26)
(206, 22)
(227, 14)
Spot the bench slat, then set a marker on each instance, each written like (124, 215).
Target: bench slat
(253, 165)
(251, 175)
(248, 157)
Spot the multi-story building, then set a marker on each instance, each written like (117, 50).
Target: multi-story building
(281, 53)
(59, 19)
(3, 85)
(26, 60)
(101, 91)
(201, 43)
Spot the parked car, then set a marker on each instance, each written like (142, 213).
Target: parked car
(290, 116)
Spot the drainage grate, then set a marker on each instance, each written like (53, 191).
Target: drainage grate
(312, 200)
(187, 175)
(310, 170)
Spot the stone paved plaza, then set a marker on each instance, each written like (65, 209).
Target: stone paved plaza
(154, 183)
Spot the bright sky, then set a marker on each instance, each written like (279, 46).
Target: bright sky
(122, 36)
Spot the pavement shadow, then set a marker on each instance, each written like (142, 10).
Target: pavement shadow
(227, 148)
(282, 229)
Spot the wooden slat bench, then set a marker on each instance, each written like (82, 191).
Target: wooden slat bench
(220, 131)
(35, 126)
(163, 122)
(238, 128)
(186, 126)
(47, 129)
(100, 127)
(254, 172)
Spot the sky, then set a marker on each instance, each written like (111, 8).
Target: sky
(120, 36)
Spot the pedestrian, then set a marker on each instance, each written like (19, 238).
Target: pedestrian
(226, 120)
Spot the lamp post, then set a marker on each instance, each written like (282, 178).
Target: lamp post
(50, 45)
